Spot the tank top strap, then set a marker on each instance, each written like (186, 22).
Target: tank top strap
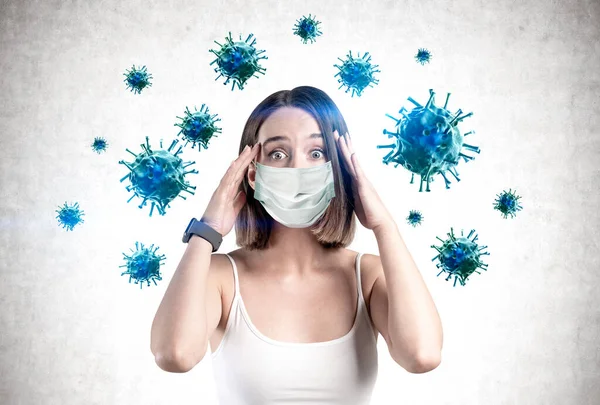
(235, 277)
(358, 282)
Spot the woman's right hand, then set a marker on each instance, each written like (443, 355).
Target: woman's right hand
(226, 202)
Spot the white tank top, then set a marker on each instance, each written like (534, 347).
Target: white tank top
(252, 369)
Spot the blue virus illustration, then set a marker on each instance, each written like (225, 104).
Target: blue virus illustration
(307, 28)
(143, 265)
(423, 56)
(238, 61)
(69, 216)
(137, 79)
(198, 127)
(507, 203)
(99, 145)
(356, 73)
(414, 218)
(158, 176)
(428, 141)
(459, 257)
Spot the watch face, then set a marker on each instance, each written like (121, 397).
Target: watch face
(189, 225)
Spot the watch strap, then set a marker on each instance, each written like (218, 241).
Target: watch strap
(204, 231)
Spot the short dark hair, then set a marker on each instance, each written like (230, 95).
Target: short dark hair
(337, 226)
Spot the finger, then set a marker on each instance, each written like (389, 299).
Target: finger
(251, 153)
(230, 178)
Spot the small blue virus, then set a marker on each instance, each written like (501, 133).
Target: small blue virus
(423, 56)
(158, 176)
(414, 218)
(143, 265)
(69, 216)
(508, 203)
(307, 29)
(428, 141)
(356, 74)
(459, 257)
(198, 127)
(238, 61)
(137, 79)
(99, 145)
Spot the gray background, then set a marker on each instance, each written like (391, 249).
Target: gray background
(73, 331)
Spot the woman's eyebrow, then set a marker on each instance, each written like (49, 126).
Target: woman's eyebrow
(283, 137)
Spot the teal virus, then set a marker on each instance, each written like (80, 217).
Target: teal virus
(69, 216)
(356, 73)
(198, 127)
(423, 56)
(143, 265)
(158, 176)
(307, 28)
(238, 61)
(99, 145)
(427, 141)
(459, 257)
(414, 218)
(507, 203)
(137, 79)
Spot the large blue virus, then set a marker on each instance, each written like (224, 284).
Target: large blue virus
(507, 203)
(428, 141)
(137, 79)
(143, 265)
(459, 257)
(356, 73)
(198, 127)
(69, 216)
(307, 28)
(158, 176)
(238, 61)
(99, 145)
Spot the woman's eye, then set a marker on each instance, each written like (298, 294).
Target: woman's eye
(319, 151)
(274, 152)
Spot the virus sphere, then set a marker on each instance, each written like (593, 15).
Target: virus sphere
(99, 145)
(423, 56)
(414, 218)
(198, 127)
(137, 79)
(428, 141)
(508, 203)
(357, 73)
(158, 176)
(143, 265)
(238, 61)
(69, 216)
(459, 257)
(307, 28)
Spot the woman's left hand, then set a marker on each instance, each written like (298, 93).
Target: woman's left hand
(369, 208)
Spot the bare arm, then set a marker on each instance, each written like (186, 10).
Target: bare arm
(179, 330)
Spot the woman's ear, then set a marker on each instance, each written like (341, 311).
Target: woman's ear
(251, 174)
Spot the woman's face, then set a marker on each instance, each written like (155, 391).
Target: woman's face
(291, 137)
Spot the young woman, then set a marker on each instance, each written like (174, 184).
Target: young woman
(293, 315)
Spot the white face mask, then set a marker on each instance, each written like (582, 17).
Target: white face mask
(295, 197)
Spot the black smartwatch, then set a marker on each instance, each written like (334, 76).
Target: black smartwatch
(201, 229)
